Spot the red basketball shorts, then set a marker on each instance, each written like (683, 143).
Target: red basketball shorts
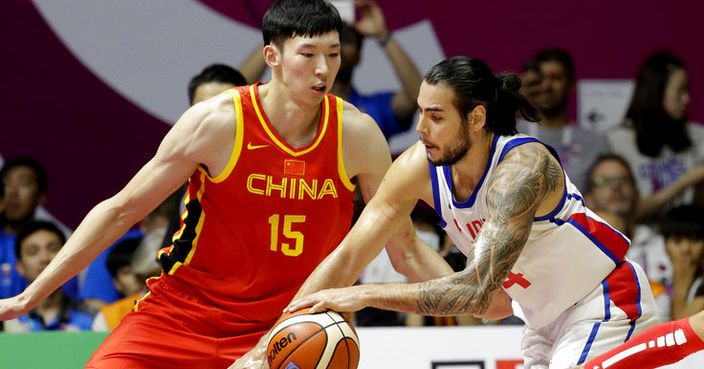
(174, 329)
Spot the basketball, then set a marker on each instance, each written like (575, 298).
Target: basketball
(313, 341)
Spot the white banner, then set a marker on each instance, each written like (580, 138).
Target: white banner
(481, 347)
(602, 103)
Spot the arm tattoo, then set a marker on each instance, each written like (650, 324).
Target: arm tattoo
(515, 190)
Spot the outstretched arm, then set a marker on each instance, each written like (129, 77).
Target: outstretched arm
(527, 176)
(177, 157)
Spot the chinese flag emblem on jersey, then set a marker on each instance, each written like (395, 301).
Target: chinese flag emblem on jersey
(294, 167)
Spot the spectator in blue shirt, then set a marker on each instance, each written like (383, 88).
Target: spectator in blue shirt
(25, 184)
(35, 246)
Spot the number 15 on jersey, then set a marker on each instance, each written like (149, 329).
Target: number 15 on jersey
(286, 224)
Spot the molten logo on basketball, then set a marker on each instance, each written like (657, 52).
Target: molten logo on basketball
(280, 345)
(311, 341)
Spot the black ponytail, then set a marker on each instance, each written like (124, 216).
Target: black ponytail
(473, 83)
(509, 103)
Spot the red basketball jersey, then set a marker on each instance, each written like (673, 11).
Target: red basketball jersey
(251, 236)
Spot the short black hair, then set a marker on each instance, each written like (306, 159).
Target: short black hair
(31, 163)
(289, 18)
(121, 254)
(557, 55)
(215, 73)
(31, 228)
(683, 221)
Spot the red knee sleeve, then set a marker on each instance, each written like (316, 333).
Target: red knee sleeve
(663, 344)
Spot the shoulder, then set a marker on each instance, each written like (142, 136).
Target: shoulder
(205, 131)
(409, 174)
(414, 155)
(528, 152)
(357, 122)
(361, 137)
(696, 130)
(364, 147)
(529, 162)
(217, 112)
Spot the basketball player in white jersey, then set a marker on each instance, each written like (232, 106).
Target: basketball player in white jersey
(507, 204)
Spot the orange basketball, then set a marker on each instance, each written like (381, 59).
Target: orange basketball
(312, 341)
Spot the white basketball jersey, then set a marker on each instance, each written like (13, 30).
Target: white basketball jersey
(568, 253)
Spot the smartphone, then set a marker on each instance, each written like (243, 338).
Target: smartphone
(345, 8)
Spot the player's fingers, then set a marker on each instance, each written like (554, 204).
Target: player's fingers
(297, 305)
(319, 307)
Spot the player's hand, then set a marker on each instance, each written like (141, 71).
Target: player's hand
(254, 359)
(12, 308)
(337, 299)
(371, 22)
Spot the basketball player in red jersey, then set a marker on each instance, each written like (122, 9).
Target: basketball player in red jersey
(271, 169)
(661, 345)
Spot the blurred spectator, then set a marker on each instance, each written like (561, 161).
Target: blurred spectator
(37, 243)
(125, 280)
(26, 185)
(213, 80)
(611, 193)
(531, 81)
(393, 111)
(683, 230)
(664, 150)
(576, 146)
(25, 188)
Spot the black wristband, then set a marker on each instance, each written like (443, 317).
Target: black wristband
(385, 40)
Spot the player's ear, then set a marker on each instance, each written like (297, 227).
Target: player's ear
(477, 118)
(272, 55)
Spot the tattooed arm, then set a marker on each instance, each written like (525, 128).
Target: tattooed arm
(516, 190)
(528, 180)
